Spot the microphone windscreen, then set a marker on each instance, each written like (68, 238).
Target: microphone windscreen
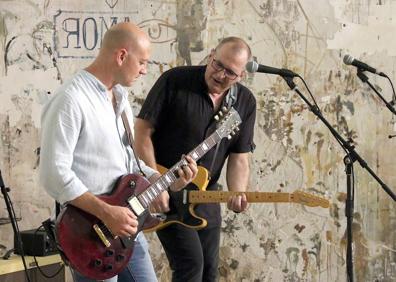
(348, 59)
(252, 66)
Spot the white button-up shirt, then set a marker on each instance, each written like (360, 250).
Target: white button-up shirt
(83, 142)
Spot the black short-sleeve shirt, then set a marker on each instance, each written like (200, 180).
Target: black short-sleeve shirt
(182, 114)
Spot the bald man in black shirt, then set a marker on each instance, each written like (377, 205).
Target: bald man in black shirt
(176, 117)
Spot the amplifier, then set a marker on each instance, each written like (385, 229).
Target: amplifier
(35, 243)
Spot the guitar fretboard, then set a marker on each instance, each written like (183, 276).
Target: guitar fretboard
(167, 179)
(201, 197)
(223, 196)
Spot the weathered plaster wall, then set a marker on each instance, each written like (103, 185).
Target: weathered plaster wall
(43, 42)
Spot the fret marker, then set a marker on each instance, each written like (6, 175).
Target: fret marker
(195, 156)
(204, 146)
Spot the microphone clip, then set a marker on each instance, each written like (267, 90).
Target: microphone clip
(363, 77)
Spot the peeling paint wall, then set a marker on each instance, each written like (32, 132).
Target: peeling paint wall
(42, 43)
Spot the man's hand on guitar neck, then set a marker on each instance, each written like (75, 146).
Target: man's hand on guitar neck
(237, 180)
(237, 203)
(186, 174)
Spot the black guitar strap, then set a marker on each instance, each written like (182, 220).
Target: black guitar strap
(230, 100)
(129, 134)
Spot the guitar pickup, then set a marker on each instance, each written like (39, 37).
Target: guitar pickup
(136, 206)
(101, 235)
(185, 194)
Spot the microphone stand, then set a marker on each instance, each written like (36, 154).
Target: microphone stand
(349, 159)
(364, 78)
(11, 214)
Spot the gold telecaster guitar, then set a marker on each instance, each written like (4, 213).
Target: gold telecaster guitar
(184, 202)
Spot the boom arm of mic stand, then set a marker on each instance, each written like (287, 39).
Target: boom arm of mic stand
(365, 79)
(350, 148)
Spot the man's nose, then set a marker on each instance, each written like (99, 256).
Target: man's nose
(222, 73)
(143, 71)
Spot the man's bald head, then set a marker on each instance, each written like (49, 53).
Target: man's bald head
(123, 56)
(123, 35)
(236, 45)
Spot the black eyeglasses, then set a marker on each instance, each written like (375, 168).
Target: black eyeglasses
(218, 66)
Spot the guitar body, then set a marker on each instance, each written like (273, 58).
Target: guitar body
(182, 212)
(80, 243)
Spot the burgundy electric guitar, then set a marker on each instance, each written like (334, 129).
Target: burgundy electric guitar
(85, 242)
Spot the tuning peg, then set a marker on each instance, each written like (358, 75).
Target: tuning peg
(236, 129)
(220, 113)
(216, 117)
(233, 132)
(229, 137)
(224, 109)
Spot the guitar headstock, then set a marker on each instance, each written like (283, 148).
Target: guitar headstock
(310, 200)
(228, 122)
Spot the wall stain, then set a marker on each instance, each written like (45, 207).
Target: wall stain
(191, 22)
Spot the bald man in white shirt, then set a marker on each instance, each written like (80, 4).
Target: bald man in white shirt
(84, 148)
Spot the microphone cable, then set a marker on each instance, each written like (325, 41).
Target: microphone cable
(392, 102)
(318, 109)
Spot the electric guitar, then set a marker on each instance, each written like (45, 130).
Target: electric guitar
(184, 202)
(88, 246)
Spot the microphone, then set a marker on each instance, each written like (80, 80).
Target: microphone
(349, 60)
(253, 66)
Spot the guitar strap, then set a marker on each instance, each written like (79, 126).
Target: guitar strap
(129, 134)
(230, 100)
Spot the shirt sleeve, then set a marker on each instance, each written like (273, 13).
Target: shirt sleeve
(60, 126)
(244, 142)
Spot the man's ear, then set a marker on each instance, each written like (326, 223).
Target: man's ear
(212, 53)
(121, 56)
(243, 74)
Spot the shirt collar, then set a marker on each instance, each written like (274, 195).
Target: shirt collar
(120, 93)
(121, 96)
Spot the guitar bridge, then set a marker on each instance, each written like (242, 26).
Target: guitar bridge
(101, 235)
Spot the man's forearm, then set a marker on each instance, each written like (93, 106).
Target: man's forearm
(91, 204)
(238, 172)
(143, 143)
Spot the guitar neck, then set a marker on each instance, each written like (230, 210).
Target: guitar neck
(198, 197)
(201, 197)
(170, 176)
(167, 179)
(227, 126)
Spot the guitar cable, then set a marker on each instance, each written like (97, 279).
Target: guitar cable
(36, 262)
